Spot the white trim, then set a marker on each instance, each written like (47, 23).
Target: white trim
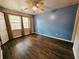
(54, 37)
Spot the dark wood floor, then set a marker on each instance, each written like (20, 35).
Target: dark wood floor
(37, 47)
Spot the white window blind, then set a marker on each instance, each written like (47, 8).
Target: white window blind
(26, 22)
(15, 22)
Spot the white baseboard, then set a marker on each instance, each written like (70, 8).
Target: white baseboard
(54, 37)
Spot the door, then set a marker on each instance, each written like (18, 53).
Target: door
(15, 22)
(76, 40)
(76, 44)
(26, 25)
(3, 30)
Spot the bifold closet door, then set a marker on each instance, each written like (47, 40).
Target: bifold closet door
(3, 29)
(26, 25)
(15, 22)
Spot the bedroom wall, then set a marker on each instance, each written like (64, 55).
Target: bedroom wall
(56, 23)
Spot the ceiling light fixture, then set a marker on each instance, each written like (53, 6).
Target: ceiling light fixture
(34, 8)
(36, 5)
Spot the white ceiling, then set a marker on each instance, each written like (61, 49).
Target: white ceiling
(18, 5)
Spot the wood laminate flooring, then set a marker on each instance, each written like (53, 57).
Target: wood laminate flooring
(37, 47)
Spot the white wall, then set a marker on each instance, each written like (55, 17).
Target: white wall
(76, 41)
(3, 31)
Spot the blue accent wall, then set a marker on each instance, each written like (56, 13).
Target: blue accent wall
(58, 23)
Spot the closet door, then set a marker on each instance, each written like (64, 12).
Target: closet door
(15, 22)
(3, 30)
(76, 43)
(76, 39)
(26, 25)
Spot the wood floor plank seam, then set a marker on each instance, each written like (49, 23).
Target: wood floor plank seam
(37, 47)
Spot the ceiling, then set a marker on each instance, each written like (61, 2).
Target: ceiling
(19, 5)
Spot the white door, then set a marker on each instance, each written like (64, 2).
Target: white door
(76, 44)
(76, 40)
(3, 30)
(1, 54)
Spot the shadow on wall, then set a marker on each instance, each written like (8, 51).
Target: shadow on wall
(59, 23)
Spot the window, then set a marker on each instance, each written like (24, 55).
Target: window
(17, 27)
(15, 22)
(26, 22)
